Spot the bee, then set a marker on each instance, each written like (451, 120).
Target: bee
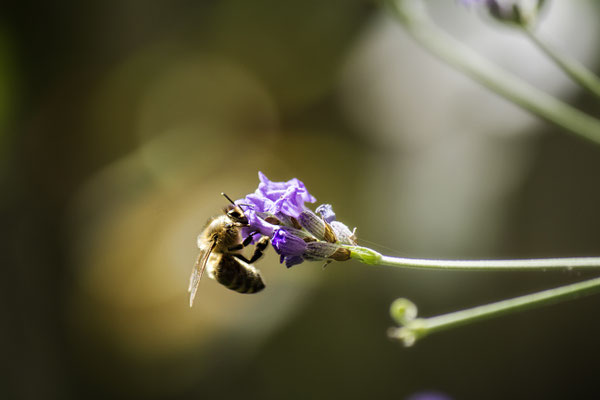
(220, 247)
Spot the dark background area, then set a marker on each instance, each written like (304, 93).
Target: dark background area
(120, 124)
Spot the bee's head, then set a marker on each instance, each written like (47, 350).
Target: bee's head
(235, 213)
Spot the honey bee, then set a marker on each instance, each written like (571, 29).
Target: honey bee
(220, 247)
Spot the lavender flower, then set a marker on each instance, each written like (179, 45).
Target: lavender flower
(277, 210)
(289, 246)
(287, 197)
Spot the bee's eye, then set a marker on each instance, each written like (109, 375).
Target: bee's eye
(236, 215)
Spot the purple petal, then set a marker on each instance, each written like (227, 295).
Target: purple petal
(287, 197)
(290, 203)
(258, 224)
(326, 211)
(287, 244)
(294, 260)
(256, 202)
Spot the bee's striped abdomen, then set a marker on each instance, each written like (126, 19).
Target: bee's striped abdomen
(238, 275)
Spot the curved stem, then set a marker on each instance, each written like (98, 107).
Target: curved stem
(461, 57)
(576, 71)
(420, 327)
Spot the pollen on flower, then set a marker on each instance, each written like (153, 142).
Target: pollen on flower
(278, 210)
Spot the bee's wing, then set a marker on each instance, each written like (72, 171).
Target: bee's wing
(199, 270)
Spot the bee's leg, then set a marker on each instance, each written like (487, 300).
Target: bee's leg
(245, 243)
(241, 257)
(259, 249)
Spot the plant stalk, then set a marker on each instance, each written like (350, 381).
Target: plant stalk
(416, 22)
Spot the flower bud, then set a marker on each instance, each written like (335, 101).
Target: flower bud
(316, 251)
(312, 223)
(403, 310)
(343, 233)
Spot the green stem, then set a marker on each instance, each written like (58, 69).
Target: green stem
(419, 327)
(461, 57)
(580, 74)
(494, 265)
(369, 256)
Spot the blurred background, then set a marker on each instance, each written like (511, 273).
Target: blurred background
(121, 123)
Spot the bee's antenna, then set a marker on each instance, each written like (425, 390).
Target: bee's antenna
(237, 205)
(227, 197)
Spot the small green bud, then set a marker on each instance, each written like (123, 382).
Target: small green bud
(403, 311)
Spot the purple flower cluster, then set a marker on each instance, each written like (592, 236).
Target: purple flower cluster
(277, 210)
